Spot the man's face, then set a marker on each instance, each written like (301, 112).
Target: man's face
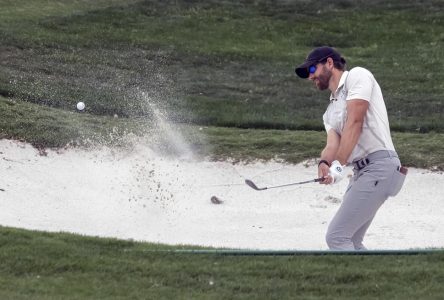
(321, 76)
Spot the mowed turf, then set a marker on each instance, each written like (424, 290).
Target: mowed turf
(37, 265)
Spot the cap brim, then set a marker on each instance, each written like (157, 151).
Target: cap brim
(302, 70)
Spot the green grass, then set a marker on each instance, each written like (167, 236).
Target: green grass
(204, 57)
(223, 72)
(42, 265)
(44, 126)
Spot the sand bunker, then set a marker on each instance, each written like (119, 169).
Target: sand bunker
(138, 194)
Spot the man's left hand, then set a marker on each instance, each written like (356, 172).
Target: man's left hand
(336, 171)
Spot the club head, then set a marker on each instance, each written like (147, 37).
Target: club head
(253, 186)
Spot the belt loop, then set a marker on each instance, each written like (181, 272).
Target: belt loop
(361, 163)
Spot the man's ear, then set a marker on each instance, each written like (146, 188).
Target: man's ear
(330, 63)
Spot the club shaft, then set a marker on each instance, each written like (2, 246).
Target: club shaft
(295, 183)
(254, 186)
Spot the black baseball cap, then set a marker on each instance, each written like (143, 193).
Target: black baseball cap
(316, 56)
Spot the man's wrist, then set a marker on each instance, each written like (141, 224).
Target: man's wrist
(323, 161)
(336, 171)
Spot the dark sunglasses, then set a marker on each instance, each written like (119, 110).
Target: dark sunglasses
(312, 68)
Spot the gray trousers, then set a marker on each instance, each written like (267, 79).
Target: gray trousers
(368, 189)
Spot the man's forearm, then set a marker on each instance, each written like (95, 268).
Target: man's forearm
(331, 147)
(356, 111)
(328, 154)
(349, 139)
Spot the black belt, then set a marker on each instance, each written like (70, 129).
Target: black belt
(361, 163)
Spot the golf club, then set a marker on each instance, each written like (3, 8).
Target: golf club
(254, 186)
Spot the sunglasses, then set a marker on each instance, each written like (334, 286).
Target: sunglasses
(312, 68)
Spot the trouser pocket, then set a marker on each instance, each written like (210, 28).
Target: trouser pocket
(397, 180)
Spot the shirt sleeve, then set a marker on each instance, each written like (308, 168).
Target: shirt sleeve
(359, 84)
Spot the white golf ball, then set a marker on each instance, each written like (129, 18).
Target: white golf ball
(80, 106)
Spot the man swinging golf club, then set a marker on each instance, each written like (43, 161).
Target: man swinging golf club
(358, 134)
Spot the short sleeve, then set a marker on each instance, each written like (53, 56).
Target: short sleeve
(359, 84)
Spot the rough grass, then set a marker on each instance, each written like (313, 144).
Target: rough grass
(221, 63)
(41, 265)
(44, 126)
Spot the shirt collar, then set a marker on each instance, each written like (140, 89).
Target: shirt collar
(333, 96)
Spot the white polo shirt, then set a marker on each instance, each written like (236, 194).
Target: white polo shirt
(359, 83)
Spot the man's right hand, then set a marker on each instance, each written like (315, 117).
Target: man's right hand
(323, 172)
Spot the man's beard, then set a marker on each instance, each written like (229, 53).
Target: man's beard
(323, 78)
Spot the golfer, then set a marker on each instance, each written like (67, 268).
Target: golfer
(358, 135)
